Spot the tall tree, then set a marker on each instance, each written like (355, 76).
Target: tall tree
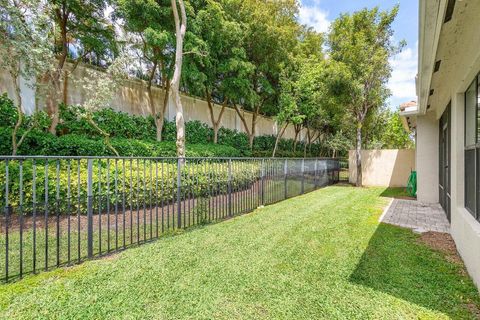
(180, 29)
(81, 31)
(150, 23)
(24, 52)
(270, 34)
(218, 67)
(289, 112)
(362, 42)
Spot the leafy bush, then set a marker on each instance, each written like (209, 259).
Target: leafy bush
(233, 138)
(116, 124)
(41, 143)
(157, 180)
(264, 143)
(195, 132)
(198, 132)
(8, 112)
(131, 135)
(9, 116)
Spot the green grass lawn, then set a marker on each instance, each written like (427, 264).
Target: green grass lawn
(395, 192)
(320, 255)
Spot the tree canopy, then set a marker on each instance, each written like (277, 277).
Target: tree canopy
(250, 55)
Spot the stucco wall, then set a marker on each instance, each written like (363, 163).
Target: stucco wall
(427, 159)
(458, 52)
(132, 98)
(386, 168)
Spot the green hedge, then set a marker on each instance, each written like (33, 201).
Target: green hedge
(41, 143)
(137, 178)
(132, 135)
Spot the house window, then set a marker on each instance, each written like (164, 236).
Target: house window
(450, 9)
(472, 149)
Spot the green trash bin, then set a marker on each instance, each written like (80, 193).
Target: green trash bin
(412, 184)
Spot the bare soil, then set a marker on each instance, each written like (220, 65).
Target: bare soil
(442, 242)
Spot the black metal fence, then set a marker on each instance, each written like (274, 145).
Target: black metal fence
(344, 170)
(62, 210)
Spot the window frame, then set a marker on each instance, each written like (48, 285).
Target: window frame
(475, 147)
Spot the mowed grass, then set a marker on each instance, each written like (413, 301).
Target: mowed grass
(322, 255)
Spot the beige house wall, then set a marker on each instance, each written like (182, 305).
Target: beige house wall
(132, 98)
(427, 159)
(455, 44)
(383, 168)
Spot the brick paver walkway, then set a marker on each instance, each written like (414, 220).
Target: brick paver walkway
(417, 216)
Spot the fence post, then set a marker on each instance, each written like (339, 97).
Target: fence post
(303, 176)
(90, 208)
(262, 182)
(7, 220)
(229, 186)
(179, 192)
(285, 172)
(315, 176)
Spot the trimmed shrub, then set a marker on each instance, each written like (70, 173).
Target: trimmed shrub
(132, 135)
(233, 138)
(41, 143)
(195, 179)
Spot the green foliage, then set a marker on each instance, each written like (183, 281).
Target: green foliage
(131, 135)
(122, 126)
(8, 112)
(85, 25)
(195, 179)
(198, 132)
(385, 131)
(233, 138)
(116, 124)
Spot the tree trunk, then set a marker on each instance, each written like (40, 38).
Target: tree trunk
(279, 136)
(52, 103)
(358, 155)
(245, 125)
(253, 131)
(105, 135)
(151, 100)
(215, 123)
(305, 150)
(160, 119)
(65, 87)
(297, 128)
(180, 28)
(17, 143)
(309, 141)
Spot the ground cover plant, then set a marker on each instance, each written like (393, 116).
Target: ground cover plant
(322, 255)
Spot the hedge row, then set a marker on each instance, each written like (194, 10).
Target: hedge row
(137, 181)
(41, 143)
(134, 136)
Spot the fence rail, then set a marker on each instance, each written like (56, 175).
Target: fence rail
(63, 210)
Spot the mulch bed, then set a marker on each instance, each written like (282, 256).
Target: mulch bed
(442, 242)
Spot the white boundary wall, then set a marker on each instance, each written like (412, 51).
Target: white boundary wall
(383, 168)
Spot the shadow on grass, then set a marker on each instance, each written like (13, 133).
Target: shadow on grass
(397, 264)
(397, 193)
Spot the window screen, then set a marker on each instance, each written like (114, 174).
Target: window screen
(470, 180)
(478, 108)
(471, 114)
